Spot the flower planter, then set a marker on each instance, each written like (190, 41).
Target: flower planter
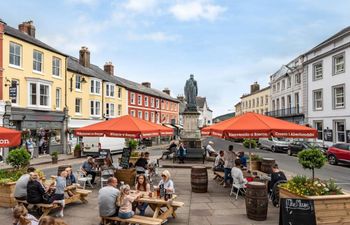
(54, 160)
(7, 199)
(329, 209)
(255, 165)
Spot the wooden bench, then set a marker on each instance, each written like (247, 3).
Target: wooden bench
(193, 154)
(136, 219)
(45, 208)
(219, 176)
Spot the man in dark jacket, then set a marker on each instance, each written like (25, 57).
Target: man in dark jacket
(276, 176)
(36, 193)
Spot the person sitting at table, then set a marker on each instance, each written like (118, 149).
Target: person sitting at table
(229, 159)
(144, 186)
(181, 153)
(125, 201)
(22, 217)
(36, 193)
(70, 176)
(211, 151)
(58, 196)
(88, 168)
(276, 176)
(219, 162)
(21, 185)
(171, 149)
(141, 164)
(237, 173)
(167, 182)
(107, 198)
(107, 169)
(243, 159)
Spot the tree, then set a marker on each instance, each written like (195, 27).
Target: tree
(311, 158)
(18, 158)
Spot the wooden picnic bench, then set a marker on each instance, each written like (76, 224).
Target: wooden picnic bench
(45, 208)
(219, 176)
(136, 219)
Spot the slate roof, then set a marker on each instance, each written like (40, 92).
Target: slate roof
(200, 102)
(224, 117)
(27, 38)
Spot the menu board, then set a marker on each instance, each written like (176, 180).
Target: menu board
(124, 162)
(105, 153)
(297, 212)
(328, 135)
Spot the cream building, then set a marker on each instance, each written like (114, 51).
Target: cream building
(257, 100)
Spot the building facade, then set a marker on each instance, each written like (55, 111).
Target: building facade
(206, 114)
(327, 68)
(287, 91)
(257, 100)
(238, 109)
(33, 88)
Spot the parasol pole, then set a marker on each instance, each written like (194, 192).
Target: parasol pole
(250, 156)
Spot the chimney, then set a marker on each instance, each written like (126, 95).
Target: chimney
(84, 56)
(254, 87)
(146, 84)
(166, 91)
(181, 98)
(109, 68)
(27, 28)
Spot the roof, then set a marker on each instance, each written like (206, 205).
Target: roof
(340, 33)
(27, 38)
(224, 117)
(246, 95)
(201, 101)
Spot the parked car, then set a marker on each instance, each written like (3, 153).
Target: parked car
(274, 144)
(297, 146)
(339, 153)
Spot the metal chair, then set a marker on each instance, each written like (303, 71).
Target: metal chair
(236, 185)
(83, 179)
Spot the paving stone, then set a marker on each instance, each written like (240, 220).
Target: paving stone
(200, 212)
(221, 205)
(200, 199)
(199, 220)
(199, 206)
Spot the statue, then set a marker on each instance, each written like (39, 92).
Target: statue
(191, 91)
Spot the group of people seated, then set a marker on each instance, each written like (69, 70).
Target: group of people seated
(22, 217)
(114, 202)
(178, 151)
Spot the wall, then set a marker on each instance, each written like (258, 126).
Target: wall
(261, 108)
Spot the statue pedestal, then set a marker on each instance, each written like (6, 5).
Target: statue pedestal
(191, 135)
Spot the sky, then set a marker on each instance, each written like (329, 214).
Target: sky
(226, 44)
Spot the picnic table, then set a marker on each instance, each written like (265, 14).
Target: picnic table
(156, 204)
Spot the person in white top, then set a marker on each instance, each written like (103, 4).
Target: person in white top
(22, 217)
(229, 158)
(219, 162)
(237, 173)
(210, 149)
(167, 182)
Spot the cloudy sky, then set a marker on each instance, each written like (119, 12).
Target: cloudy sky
(226, 44)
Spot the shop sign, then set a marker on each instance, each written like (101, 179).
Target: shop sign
(13, 91)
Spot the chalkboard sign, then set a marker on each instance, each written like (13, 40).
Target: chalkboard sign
(328, 135)
(124, 162)
(13, 91)
(297, 212)
(348, 136)
(105, 153)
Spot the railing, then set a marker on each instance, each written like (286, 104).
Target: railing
(284, 112)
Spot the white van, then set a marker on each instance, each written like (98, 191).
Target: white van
(91, 144)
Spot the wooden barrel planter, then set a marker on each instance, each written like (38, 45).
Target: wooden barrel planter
(256, 201)
(267, 164)
(126, 175)
(7, 199)
(255, 165)
(329, 209)
(199, 179)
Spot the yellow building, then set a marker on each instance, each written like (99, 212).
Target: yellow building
(238, 109)
(257, 100)
(33, 87)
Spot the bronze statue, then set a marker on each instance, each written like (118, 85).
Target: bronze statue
(191, 92)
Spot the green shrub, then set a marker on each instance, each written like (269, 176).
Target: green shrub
(254, 157)
(54, 154)
(311, 158)
(249, 143)
(18, 158)
(133, 144)
(77, 147)
(10, 175)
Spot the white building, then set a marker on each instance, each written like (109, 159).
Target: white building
(327, 68)
(287, 90)
(206, 114)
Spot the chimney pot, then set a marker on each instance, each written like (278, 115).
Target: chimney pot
(146, 84)
(84, 56)
(27, 28)
(166, 91)
(109, 68)
(254, 87)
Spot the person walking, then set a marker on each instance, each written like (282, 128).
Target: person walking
(229, 159)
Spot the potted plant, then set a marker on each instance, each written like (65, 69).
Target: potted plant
(54, 157)
(77, 151)
(133, 144)
(249, 143)
(328, 198)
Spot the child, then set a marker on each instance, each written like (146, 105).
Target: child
(125, 201)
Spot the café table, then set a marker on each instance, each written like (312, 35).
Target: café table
(157, 203)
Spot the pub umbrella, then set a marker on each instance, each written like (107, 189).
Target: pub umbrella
(9, 137)
(253, 125)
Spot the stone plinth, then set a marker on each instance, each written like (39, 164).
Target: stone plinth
(190, 125)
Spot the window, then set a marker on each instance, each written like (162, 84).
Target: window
(39, 94)
(77, 82)
(318, 71)
(157, 103)
(146, 116)
(274, 88)
(95, 87)
(146, 101)
(257, 102)
(278, 104)
(37, 61)
(273, 105)
(15, 54)
(95, 108)
(109, 110)
(297, 78)
(338, 96)
(289, 81)
(282, 103)
(119, 109)
(318, 125)
(338, 64)
(278, 86)
(250, 103)
(139, 99)
(296, 101)
(139, 114)
(283, 84)
(119, 92)
(109, 90)
(339, 130)
(14, 91)
(289, 101)
(58, 98)
(132, 98)
(132, 113)
(318, 99)
(266, 99)
(56, 66)
(152, 117)
(261, 101)
(152, 102)
(78, 105)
